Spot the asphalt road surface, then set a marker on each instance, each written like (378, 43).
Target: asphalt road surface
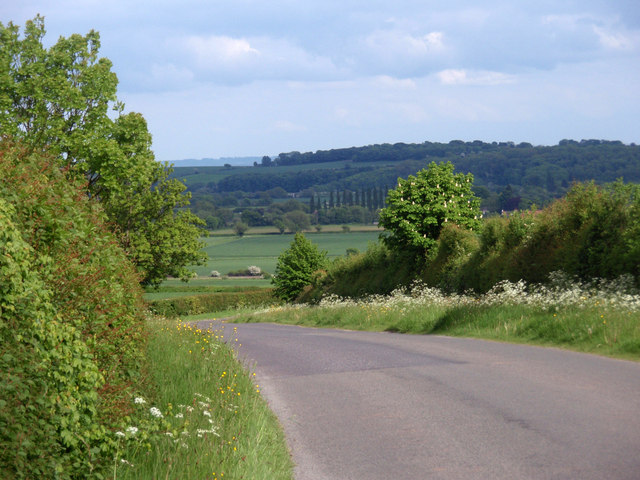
(363, 405)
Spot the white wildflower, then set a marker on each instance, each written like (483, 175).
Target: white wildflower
(139, 401)
(132, 430)
(155, 412)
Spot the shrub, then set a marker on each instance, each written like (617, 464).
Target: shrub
(454, 248)
(48, 396)
(213, 302)
(86, 329)
(296, 266)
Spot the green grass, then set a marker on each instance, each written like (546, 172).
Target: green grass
(214, 425)
(233, 253)
(606, 331)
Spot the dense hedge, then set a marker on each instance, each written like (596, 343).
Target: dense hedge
(48, 396)
(593, 232)
(72, 327)
(212, 302)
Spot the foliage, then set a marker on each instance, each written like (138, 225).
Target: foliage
(377, 270)
(296, 221)
(58, 100)
(77, 330)
(591, 233)
(296, 266)
(454, 248)
(598, 316)
(212, 302)
(420, 206)
(240, 228)
(48, 396)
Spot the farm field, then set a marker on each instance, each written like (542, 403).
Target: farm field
(227, 253)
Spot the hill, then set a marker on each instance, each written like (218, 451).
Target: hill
(507, 175)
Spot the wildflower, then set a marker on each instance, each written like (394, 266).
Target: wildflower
(155, 412)
(139, 401)
(120, 434)
(132, 430)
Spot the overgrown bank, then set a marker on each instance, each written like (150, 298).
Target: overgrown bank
(206, 419)
(72, 324)
(593, 232)
(597, 317)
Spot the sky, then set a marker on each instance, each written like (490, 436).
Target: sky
(233, 78)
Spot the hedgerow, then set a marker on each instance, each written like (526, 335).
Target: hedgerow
(593, 232)
(72, 324)
(212, 302)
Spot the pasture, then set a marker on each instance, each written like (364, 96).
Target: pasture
(230, 253)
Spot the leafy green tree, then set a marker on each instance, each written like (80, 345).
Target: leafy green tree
(296, 266)
(420, 206)
(57, 100)
(297, 221)
(240, 228)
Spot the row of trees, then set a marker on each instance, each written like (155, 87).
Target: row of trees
(370, 198)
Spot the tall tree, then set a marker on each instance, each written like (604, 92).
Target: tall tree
(58, 100)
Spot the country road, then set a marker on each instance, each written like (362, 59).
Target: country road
(363, 405)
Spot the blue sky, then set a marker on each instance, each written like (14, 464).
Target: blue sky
(225, 78)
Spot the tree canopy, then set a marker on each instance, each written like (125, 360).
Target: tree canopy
(58, 100)
(420, 206)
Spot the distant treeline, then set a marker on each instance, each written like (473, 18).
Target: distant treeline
(500, 163)
(507, 176)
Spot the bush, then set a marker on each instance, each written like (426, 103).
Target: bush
(77, 328)
(296, 267)
(48, 394)
(455, 247)
(213, 302)
(377, 270)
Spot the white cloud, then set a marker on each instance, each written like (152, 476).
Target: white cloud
(478, 77)
(617, 40)
(212, 50)
(223, 59)
(394, 42)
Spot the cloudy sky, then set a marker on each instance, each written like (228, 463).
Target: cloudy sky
(226, 78)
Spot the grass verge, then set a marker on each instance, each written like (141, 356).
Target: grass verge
(205, 419)
(601, 322)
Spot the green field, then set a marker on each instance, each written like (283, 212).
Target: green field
(227, 253)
